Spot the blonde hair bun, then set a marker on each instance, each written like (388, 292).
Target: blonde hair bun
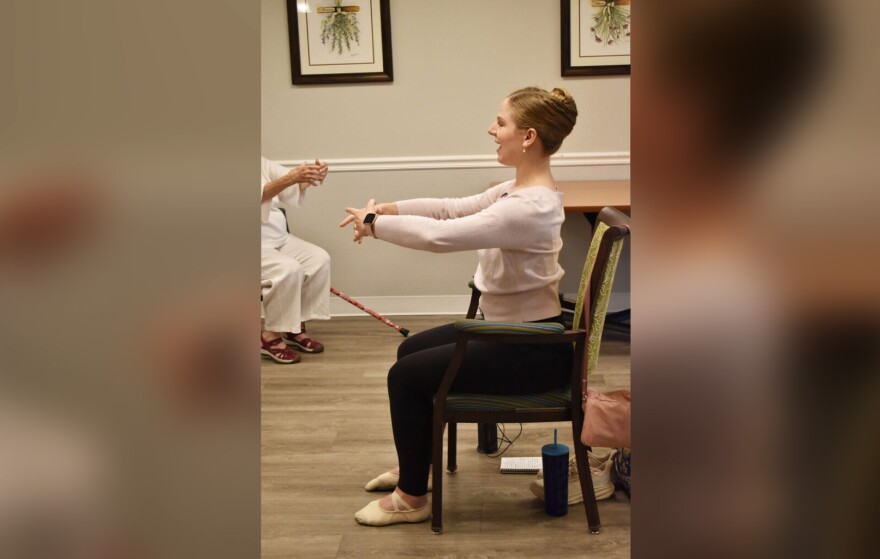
(560, 94)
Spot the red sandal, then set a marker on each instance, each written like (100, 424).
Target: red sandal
(304, 344)
(279, 354)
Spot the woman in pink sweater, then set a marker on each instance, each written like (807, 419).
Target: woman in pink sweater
(515, 228)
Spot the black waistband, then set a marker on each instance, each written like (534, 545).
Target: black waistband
(554, 319)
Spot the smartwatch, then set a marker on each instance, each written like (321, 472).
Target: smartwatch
(370, 219)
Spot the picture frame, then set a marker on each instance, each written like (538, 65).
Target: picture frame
(339, 41)
(595, 37)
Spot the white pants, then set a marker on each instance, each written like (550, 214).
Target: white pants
(295, 284)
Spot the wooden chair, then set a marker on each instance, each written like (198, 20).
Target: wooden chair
(558, 405)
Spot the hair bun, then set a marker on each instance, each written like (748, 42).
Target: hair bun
(561, 94)
(565, 100)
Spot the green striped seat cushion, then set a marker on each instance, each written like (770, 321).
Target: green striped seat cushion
(492, 327)
(559, 398)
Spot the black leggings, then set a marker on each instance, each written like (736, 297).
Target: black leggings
(488, 368)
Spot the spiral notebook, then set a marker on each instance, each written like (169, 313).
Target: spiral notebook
(520, 464)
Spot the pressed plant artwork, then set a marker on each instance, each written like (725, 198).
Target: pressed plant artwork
(611, 22)
(339, 41)
(596, 37)
(340, 28)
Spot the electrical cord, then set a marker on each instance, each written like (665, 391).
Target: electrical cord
(503, 438)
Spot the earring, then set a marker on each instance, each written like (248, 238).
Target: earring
(524, 150)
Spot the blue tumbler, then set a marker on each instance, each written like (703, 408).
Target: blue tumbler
(554, 459)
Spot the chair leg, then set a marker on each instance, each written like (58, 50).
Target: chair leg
(437, 480)
(583, 468)
(451, 441)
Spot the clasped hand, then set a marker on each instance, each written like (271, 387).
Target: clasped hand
(356, 216)
(307, 174)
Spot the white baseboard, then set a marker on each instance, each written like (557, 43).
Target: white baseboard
(426, 305)
(430, 305)
(403, 305)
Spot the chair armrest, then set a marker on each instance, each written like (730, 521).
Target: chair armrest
(522, 328)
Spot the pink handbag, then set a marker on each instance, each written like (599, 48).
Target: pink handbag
(606, 419)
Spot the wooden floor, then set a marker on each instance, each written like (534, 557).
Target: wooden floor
(326, 431)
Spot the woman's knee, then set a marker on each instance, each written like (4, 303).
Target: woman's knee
(419, 374)
(396, 376)
(435, 337)
(323, 258)
(292, 273)
(406, 376)
(319, 263)
(406, 347)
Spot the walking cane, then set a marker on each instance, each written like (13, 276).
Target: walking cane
(403, 331)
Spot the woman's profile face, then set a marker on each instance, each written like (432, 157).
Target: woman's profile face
(508, 137)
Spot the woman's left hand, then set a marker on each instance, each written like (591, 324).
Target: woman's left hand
(356, 216)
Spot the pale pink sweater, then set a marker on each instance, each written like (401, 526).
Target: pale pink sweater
(516, 235)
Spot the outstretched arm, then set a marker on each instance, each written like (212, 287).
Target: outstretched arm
(503, 225)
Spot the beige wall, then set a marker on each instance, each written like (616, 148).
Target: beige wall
(453, 63)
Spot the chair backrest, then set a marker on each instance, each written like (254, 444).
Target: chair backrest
(612, 227)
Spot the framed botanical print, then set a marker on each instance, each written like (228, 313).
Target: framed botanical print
(595, 37)
(339, 41)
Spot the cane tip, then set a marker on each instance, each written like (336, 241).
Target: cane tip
(404, 331)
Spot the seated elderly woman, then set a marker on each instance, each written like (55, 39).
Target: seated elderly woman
(294, 274)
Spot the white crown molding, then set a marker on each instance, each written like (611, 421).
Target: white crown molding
(443, 162)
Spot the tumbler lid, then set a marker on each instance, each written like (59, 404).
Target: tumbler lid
(554, 450)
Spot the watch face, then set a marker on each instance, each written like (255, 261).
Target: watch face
(368, 219)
